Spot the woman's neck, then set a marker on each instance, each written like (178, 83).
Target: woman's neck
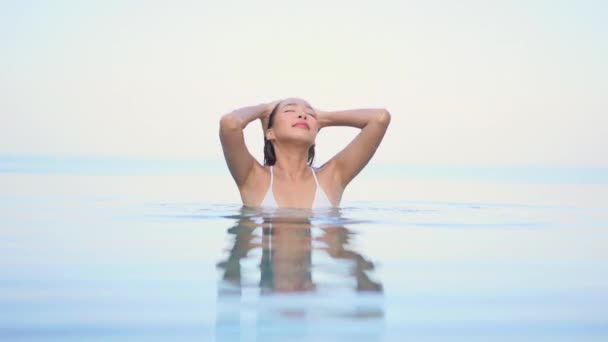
(292, 161)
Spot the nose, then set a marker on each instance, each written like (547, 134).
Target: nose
(302, 116)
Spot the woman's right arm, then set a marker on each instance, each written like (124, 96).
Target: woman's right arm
(240, 161)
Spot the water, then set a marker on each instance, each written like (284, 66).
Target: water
(104, 254)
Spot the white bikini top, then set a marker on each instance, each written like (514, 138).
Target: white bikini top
(321, 200)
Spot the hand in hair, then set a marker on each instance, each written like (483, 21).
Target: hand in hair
(266, 115)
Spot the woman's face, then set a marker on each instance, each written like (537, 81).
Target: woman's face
(294, 120)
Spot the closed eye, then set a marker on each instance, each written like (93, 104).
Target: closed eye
(311, 114)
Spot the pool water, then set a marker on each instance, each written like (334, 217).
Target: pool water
(92, 257)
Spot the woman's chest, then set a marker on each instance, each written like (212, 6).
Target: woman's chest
(290, 194)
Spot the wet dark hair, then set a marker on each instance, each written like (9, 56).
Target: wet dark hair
(269, 157)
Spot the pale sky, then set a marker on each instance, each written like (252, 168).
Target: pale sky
(484, 82)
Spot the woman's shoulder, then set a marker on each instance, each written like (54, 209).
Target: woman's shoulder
(327, 167)
(326, 172)
(255, 186)
(259, 171)
(329, 180)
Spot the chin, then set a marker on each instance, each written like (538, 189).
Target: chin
(303, 137)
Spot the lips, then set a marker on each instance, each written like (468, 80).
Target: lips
(301, 124)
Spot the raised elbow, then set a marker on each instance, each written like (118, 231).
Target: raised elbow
(384, 117)
(229, 122)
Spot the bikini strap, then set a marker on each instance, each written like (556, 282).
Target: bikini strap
(271, 177)
(314, 175)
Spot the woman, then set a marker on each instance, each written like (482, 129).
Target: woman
(287, 180)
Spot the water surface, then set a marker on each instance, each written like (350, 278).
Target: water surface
(136, 257)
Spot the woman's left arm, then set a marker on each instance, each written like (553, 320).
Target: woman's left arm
(373, 123)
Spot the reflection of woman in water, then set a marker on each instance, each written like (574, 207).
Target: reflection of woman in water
(248, 306)
(287, 245)
(286, 258)
(286, 179)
